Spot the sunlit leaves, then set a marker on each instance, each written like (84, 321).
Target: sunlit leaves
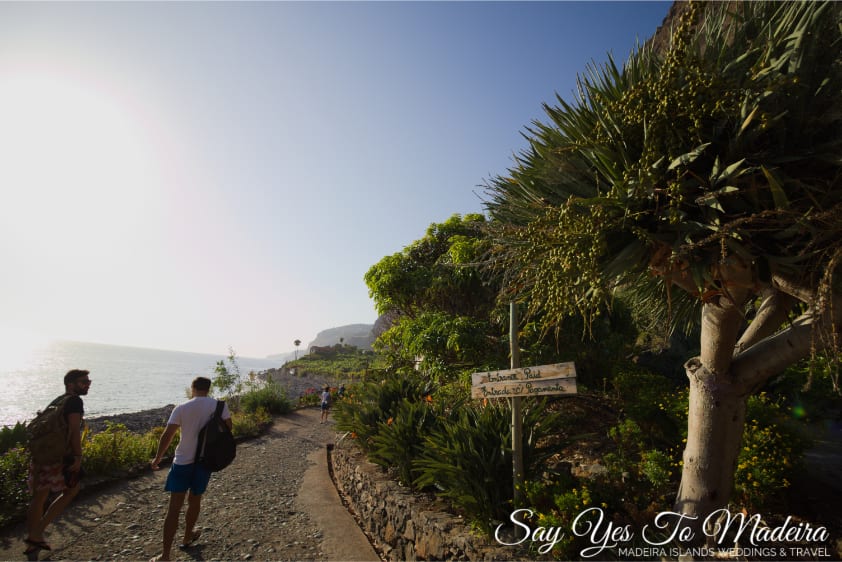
(725, 144)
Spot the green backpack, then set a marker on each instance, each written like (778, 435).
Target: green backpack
(49, 438)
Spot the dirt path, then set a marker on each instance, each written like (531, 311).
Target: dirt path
(257, 509)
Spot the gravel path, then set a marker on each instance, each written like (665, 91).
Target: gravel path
(251, 511)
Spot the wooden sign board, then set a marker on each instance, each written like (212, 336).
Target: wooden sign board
(509, 389)
(543, 380)
(555, 371)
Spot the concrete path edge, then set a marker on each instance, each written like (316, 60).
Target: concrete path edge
(319, 498)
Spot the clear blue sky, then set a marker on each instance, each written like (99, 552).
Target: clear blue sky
(194, 176)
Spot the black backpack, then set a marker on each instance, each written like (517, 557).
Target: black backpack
(216, 443)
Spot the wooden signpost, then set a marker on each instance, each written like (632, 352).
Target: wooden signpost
(543, 380)
(517, 382)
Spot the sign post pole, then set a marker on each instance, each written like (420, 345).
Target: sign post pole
(536, 381)
(517, 418)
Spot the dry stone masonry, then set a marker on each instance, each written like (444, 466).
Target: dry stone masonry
(404, 525)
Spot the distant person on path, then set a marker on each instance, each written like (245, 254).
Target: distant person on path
(325, 403)
(186, 477)
(63, 477)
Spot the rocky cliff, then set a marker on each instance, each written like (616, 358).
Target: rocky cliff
(357, 335)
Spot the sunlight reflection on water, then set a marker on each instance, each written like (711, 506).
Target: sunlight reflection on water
(125, 379)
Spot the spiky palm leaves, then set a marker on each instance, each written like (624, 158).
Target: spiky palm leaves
(722, 150)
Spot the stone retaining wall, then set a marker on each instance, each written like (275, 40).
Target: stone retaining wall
(406, 526)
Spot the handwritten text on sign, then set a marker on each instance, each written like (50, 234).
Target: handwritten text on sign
(543, 380)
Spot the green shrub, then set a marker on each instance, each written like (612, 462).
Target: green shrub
(271, 396)
(117, 449)
(249, 424)
(557, 504)
(772, 450)
(646, 478)
(12, 436)
(469, 459)
(14, 495)
(369, 404)
(311, 397)
(640, 395)
(400, 439)
(819, 398)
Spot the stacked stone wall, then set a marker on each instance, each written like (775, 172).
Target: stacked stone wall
(404, 525)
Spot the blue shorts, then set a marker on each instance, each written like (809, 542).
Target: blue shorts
(182, 477)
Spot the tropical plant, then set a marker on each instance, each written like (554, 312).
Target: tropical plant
(704, 182)
(443, 313)
(469, 459)
(400, 439)
(441, 345)
(370, 404)
(436, 272)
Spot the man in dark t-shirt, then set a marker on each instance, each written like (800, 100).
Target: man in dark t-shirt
(61, 478)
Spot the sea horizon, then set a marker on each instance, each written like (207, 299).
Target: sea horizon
(125, 378)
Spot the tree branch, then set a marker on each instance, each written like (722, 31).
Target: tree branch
(793, 287)
(772, 355)
(773, 312)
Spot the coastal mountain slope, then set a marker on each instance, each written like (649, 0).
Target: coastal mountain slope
(357, 335)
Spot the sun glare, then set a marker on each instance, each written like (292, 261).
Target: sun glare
(75, 162)
(18, 347)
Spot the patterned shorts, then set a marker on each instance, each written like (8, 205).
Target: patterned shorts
(46, 476)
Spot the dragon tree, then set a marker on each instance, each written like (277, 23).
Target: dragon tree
(703, 180)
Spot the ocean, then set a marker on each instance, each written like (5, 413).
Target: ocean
(125, 379)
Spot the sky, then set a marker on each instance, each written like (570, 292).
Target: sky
(202, 176)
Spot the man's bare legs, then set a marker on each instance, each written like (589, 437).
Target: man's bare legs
(171, 523)
(37, 519)
(194, 504)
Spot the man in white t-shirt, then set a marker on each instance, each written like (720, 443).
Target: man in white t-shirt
(185, 474)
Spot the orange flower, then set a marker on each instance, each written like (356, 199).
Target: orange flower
(389, 421)
(428, 398)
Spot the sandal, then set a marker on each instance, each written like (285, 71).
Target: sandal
(193, 538)
(34, 548)
(40, 545)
